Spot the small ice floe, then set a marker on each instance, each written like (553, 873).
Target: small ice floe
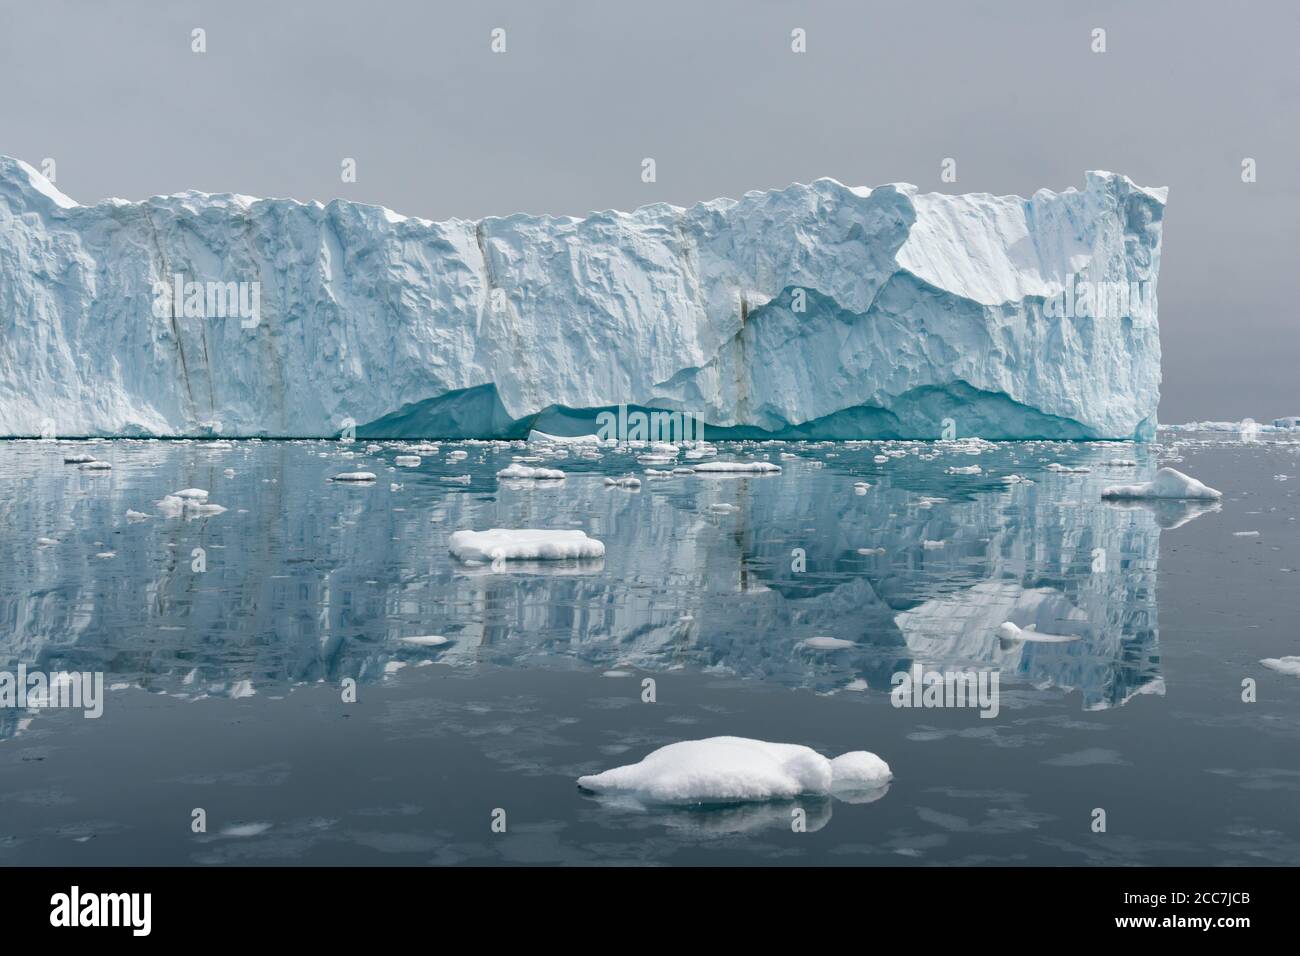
(927, 501)
(868, 552)
(964, 470)
(1283, 665)
(1014, 480)
(191, 494)
(1011, 636)
(394, 486)
(723, 509)
(96, 465)
(683, 471)
(426, 640)
(861, 487)
(1245, 534)
(136, 515)
(1168, 483)
(857, 684)
(245, 829)
(45, 542)
(623, 482)
(407, 461)
(355, 476)
(229, 473)
(1068, 469)
(106, 554)
(1119, 463)
(458, 479)
(827, 643)
(929, 545)
(657, 473)
(616, 673)
(518, 471)
(738, 467)
(524, 544)
(721, 770)
(457, 455)
(78, 459)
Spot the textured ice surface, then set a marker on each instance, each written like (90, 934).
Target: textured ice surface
(727, 769)
(814, 310)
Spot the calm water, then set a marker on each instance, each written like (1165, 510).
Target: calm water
(226, 681)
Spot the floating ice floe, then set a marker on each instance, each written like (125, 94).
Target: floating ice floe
(1010, 635)
(827, 643)
(426, 640)
(1168, 483)
(191, 494)
(357, 476)
(518, 471)
(929, 545)
(723, 509)
(136, 515)
(870, 551)
(45, 542)
(78, 459)
(1283, 665)
(407, 461)
(738, 467)
(524, 544)
(624, 482)
(96, 465)
(1068, 469)
(732, 769)
(964, 470)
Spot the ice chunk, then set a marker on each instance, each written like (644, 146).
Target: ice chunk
(1168, 483)
(1283, 665)
(426, 640)
(525, 544)
(356, 476)
(737, 467)
(827, 643)
(734, 769)
(527, 472)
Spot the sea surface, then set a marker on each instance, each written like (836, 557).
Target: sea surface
(262, 706)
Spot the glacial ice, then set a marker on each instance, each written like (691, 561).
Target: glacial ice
(730, 769)
(816, 310)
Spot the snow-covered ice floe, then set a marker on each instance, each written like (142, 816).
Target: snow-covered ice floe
(526, 544)
(1168, 483)
(724, 770)
(737, 467)
(526, 472)
(1010, 635)
(1283, 665)
(355, 476)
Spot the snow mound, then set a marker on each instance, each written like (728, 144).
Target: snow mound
(734, 769)
(1168, 483)
(526, 544)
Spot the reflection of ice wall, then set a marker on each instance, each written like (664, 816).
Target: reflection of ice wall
(316, 581)
(837, 311)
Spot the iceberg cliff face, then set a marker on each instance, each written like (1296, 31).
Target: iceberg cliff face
(812, 311)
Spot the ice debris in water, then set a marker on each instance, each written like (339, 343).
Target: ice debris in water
(738, 467)
(533, 474)
(1168, 483)
(1283, 665)
(525, 544)
(731, 769)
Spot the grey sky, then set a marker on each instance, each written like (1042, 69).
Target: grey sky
(442, 127)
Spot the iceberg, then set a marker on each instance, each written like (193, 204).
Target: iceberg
(813, 311)
(1168, 483)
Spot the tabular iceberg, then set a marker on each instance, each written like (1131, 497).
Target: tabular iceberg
(817, 310)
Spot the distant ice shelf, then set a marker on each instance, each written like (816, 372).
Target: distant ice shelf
(813, 311)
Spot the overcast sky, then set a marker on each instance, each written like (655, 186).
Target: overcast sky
(440, 126)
